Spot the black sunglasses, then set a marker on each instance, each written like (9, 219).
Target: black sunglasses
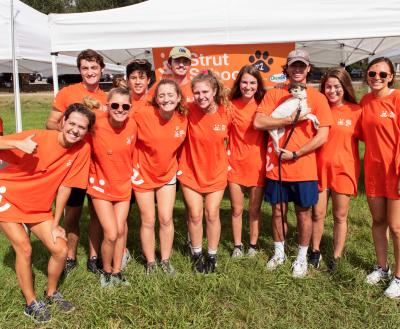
(125, 107)
(373, 74)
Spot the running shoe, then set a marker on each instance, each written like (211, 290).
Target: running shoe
(167, 267)
(210, 264)
(94, 265)
(58, 299)
(314, 258)
(237, 251)
(393, 291)
(38, 311)
(198, 262)
(105, 279)
(118, 279)
(275, 262)
(126, 258)
(299, 268)
(252, 252)
(151, 268)
(378, 275)
(70, 264)
(333, 265)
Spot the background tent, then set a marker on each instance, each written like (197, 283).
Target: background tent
(334, 31)
(31, 46)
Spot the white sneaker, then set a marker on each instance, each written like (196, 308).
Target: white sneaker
(126, 258)
(393, 291)
(377, 275)
(252, 252)
(274, 262)
(299, 268)
(237, 252)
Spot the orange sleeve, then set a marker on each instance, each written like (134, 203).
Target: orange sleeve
(78, 174)
(61, 100)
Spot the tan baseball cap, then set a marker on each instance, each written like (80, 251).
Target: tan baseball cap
(178, 52)
(298, 55)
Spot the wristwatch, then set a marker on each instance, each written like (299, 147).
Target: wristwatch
(295, 156)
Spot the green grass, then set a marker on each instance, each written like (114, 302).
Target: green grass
(241, 295)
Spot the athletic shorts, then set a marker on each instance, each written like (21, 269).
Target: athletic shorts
(77, 197)
(172, 181)
(303, 194)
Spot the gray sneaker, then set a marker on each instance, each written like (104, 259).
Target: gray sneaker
(38, 311)
(151, 268)
(237, 252)
(58, 299)
(252, 252)
(167, 267)
(105, 280)
(117, 279)
(378, 275)
(126, 258)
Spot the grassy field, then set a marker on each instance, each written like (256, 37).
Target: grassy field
(242, 294)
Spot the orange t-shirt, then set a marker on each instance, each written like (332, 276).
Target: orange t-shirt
(157, 146)
(338, 161)
(186, 90)
(305, 167)
(137, 104)
(381, 133)
(247, 146)
(75, 93)
(29, 183)
(111, 166)
(203, 164)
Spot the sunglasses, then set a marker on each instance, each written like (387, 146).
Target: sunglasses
(140, 61)
(125, 107)
(373, 74)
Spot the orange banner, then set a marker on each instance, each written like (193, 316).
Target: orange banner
(226, 60)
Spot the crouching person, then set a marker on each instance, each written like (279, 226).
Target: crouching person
(29, 184)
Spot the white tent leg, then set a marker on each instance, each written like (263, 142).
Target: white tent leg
(17, 100)
(55, 73)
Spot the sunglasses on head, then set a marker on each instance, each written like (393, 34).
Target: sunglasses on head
(140, 61)
(125, 107)
(373, 74)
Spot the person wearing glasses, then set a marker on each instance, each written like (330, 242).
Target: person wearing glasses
(338, 164)
(112, 142)
(161, 132)
(381, 133)
(90, 65)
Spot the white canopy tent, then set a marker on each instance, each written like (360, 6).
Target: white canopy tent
(333, 31)
(25, 46)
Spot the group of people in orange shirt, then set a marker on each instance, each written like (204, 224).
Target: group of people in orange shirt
(206, 137)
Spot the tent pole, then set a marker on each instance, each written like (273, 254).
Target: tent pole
(55, 72)
(17, 100)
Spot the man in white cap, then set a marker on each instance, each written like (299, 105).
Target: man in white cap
(298, 181)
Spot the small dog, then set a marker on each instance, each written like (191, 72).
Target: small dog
(298, 101)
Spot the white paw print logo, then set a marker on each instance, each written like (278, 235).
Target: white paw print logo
(269, 165)
(69, 163)
(6, 206)
(134, 177)
(92, 181)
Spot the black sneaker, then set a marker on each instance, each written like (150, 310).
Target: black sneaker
(314, 258)
(151, 268)
(70, 264)
(65, 306)
(210, 264)
(198, 262)
(118, 279)
(94, 265)
(333, 265)
(38, 311)
(105, 279)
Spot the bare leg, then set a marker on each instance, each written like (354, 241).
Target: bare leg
(340, 209)
(121, 210)
(318, 218)
(378, 210)
(212, 206)
(21, 244)
(304, 225)
(145, 201)
(194, 202)
(277, 229)
(237, 200)
(95, 232)
(72, 217)
(393, 213)
(165, 205)
(255, 200)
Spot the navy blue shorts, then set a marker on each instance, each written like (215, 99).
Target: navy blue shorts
(77, 197)
(303, 194)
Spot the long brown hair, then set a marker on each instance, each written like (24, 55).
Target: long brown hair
(248, 69)
(345, 80)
